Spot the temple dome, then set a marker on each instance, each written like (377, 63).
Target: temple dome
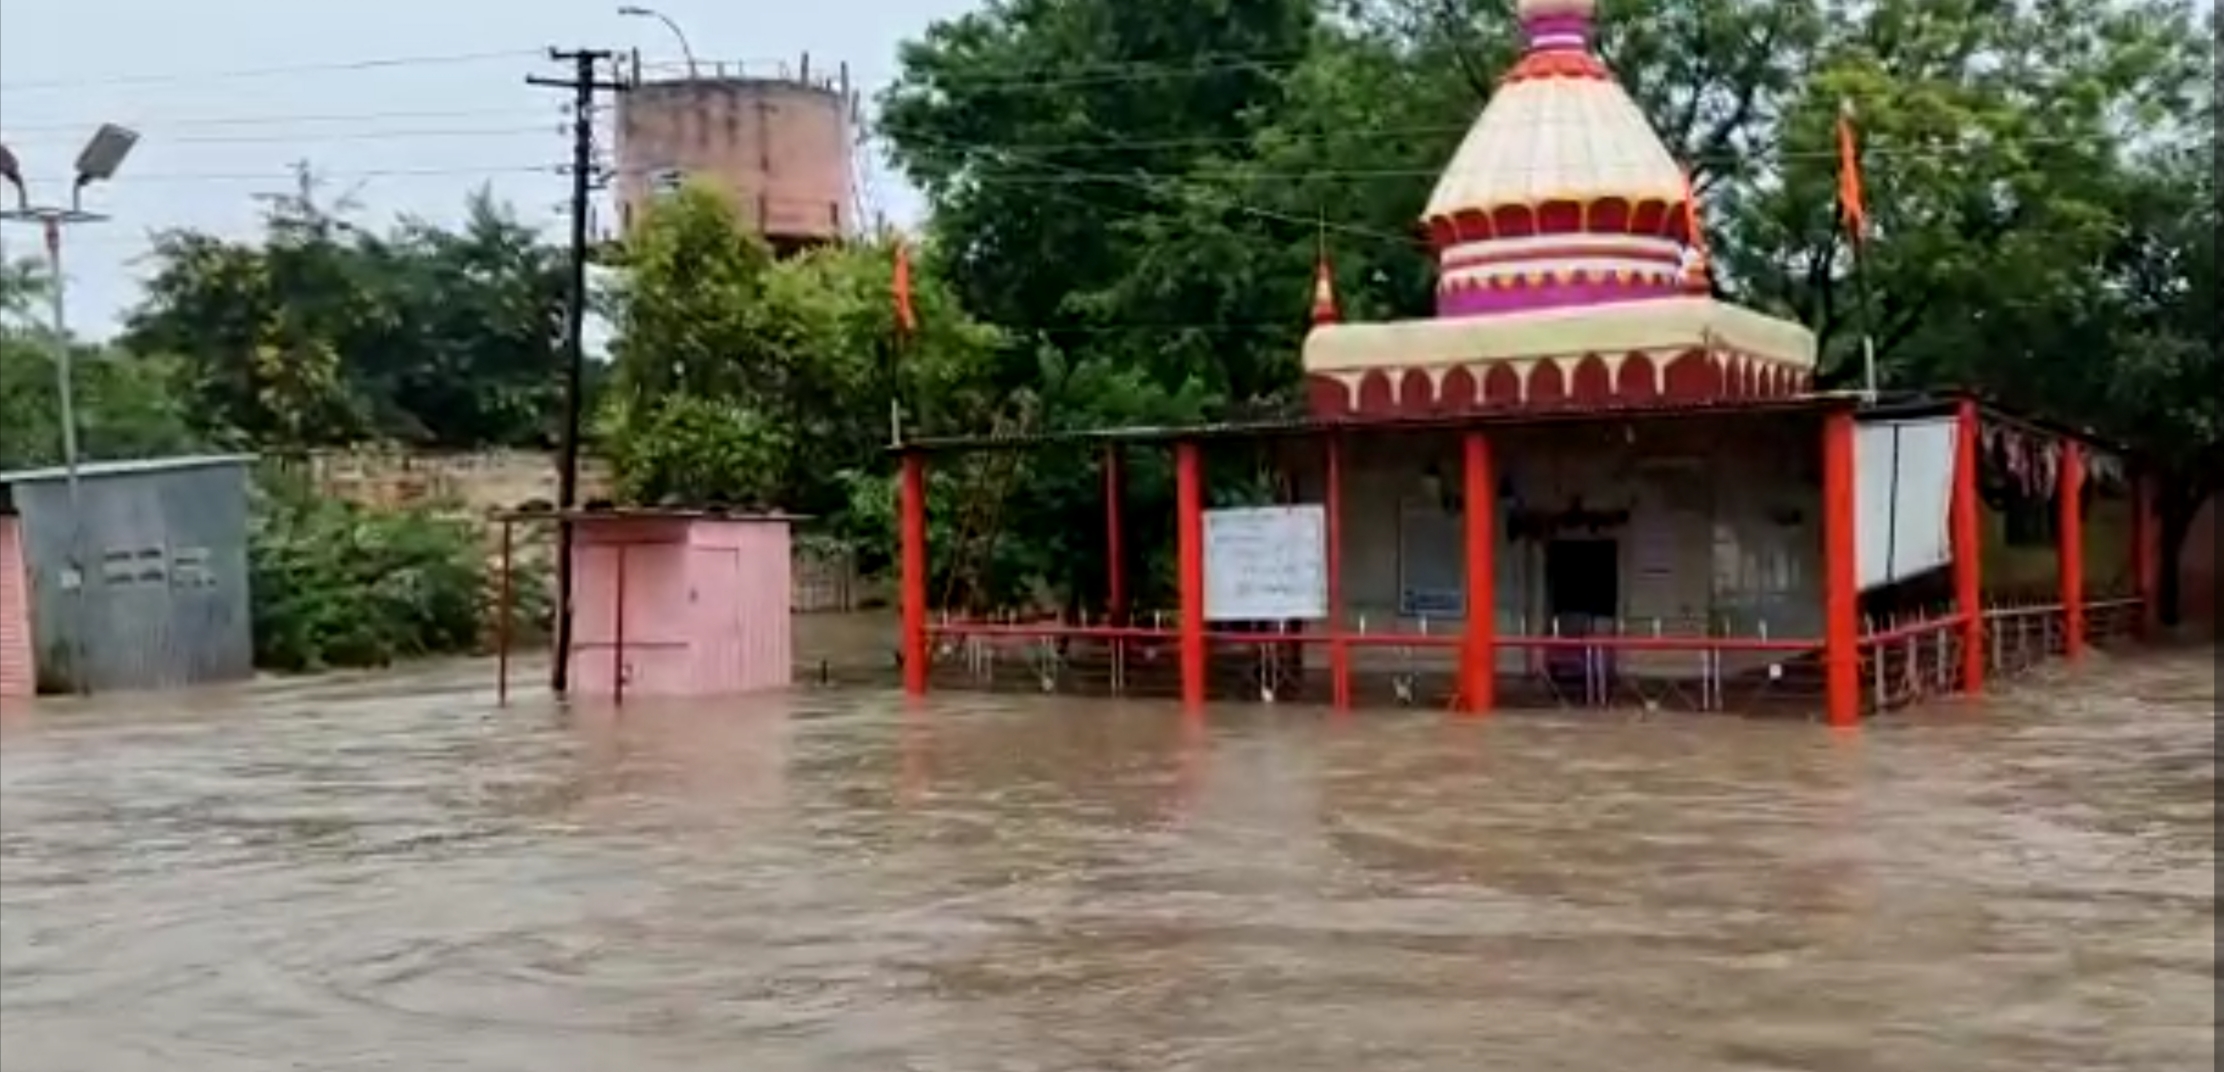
(1560, 185)
(1548, 139)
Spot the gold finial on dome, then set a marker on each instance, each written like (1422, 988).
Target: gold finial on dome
(1556, 25)
(1532, 9)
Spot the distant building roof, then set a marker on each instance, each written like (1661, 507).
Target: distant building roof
(130, 467)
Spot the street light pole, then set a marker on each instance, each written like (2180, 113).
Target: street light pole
(98, 162)
(639, 12)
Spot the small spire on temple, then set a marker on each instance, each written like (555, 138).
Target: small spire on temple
(1324, 292)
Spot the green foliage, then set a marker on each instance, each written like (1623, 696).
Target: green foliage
(338, 585)
(324, 333)
(692, 450)
(741, 380)
(127, 406)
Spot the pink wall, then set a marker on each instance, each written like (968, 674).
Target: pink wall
(18, 674)
(682, 606)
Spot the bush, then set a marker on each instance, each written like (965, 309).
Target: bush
(341, 585)
(691, 451)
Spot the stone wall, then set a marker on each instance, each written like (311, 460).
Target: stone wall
(479, 483)
(476, 481)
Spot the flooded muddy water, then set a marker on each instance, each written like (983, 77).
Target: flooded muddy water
(390, 873)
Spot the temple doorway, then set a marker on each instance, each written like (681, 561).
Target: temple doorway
(1583, 596)
(1582, 582)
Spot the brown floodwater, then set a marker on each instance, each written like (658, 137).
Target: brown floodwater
(387, 872)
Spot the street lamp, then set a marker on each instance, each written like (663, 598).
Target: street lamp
(637, 12)
(97, 162)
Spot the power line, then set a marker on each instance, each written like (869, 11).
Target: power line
(352, 135)
(268, 119)
(1054, 173)
(1106, 73)
(380, 63)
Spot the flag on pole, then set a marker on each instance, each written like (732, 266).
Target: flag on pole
(907, 320)
(1852, 209)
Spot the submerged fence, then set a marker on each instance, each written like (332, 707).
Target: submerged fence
(1639, 665)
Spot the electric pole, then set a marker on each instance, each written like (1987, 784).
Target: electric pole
(584, 82)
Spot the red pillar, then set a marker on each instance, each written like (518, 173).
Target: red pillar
(2146, 555)
(2069, 501)
(912, 511)
(1841, 598)
(1189, 539)
(1479, 655)
(1339, 653)
(1115, 535)
(1969, 574)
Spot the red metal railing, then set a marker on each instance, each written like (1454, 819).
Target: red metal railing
(1642, 666)
(2021, 636)
(1906, 662)
(1412, 664)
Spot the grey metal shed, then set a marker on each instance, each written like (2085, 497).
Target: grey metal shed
(161, 600)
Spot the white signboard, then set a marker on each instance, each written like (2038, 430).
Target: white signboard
(1266, 564)
(1903, 486)
(664, 181)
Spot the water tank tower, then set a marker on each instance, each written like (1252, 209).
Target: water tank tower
(780, 146)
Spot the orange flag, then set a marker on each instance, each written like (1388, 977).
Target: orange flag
(1851, 208)
(1324, 282)
(907, 321)
(1697, 235)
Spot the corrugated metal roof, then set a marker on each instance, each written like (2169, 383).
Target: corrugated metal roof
(130, 467)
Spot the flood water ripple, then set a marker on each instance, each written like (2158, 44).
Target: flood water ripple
(389, 872)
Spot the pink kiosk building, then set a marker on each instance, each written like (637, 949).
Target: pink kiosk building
(668, 603)
(1584, 481)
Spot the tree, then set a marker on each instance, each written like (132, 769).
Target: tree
(325, 333)
(743, 380)
(126, 406)
(1049, 135)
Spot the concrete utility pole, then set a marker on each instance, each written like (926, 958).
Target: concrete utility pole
(97, 162)
(584, 82)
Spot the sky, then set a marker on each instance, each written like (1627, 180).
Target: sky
(406, 105)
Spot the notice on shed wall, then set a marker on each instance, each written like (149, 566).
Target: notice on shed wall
(1266, 564)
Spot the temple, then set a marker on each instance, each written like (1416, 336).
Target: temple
(1584, 481)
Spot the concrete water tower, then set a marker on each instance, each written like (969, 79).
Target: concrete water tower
(781, 145)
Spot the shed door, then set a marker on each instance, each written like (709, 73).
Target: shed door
(128, 604)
